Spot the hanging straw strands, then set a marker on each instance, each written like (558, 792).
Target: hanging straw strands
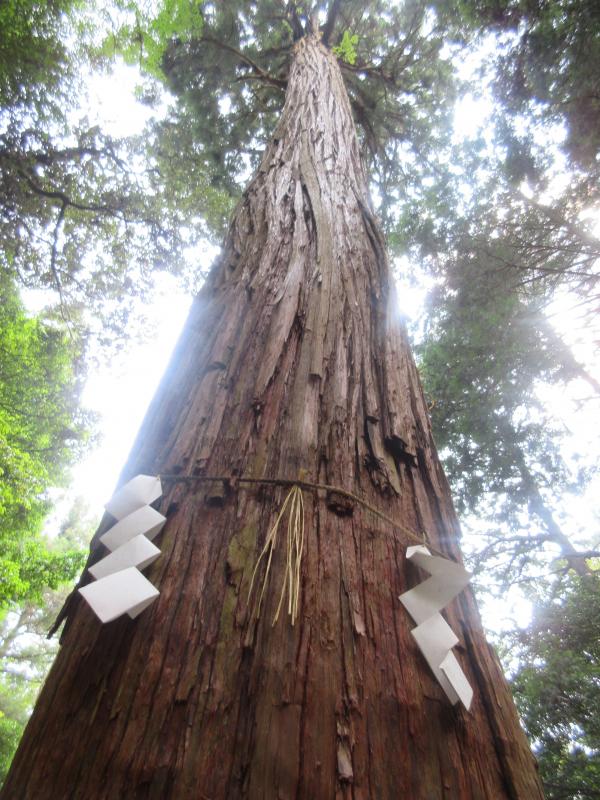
(295, 546)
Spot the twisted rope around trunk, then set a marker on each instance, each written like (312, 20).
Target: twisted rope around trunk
(232, 481)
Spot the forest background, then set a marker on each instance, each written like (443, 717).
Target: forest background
(480, 129)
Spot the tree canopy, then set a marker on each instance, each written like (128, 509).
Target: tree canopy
(85, 214)
(556, 686)
(25, 651)
(42, 432)
(230, 79)
(485, 351)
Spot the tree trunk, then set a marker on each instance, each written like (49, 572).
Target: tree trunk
(293, 364)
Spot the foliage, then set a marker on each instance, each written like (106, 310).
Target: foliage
(346, 49)
(26, 657)
(547, 68)
(485, 351)
(42, 432)
(557, 686)
(25, 652)
(144, 40)
(541, 68)
(85, 214)
(23, 668)
(230, 81)
(31, 52)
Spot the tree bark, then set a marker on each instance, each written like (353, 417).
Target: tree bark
(293, 363)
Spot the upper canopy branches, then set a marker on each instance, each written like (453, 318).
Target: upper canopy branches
(231, 79)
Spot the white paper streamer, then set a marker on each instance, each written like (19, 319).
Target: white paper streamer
(124, 592)
(139, 491)
(433, 634)
(120, 588)
(145, 520)
(137, 552)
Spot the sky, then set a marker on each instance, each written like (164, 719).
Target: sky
(120, 391)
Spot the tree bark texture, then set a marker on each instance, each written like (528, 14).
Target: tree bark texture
(293, 363)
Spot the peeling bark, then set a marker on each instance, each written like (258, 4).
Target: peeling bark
(198, 699)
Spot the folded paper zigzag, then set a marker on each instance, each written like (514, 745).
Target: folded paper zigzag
(433, 634)
(120, 588)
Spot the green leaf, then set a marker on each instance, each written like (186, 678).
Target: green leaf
(346, 49)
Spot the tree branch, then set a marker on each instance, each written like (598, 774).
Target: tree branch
(295, 21)
(259, 72)
(334, 9)
(557, 218)
(53, 259)
(64, 199)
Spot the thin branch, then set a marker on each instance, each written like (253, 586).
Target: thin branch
(64, 199)
(586, 554)
(557, 218)
(295, 21)
(53, 259)
(258, 71)
(334, 10)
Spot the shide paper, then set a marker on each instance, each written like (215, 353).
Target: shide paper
(139, 491)
(433, 634)
(146, 521)
(137, 552)
(120, 588)
(123, 592)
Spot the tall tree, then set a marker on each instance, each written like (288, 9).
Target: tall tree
(85, 215)
(546, 70)
(485, 349)
(42, 431)
(557, 686)
(540, 67)
(26, 653)
(292, 366)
